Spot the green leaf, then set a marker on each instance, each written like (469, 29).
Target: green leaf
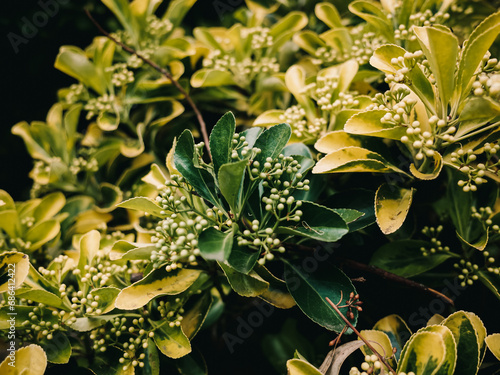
(74, 62)
(480, 40)
(243, 259)
(215, 245)
(41, 233)
(301, 367)
(89, 246)
(43, 296)
(370, 11)
(172, 341)
(404, 258)
(231, 177)
(466, 339)
(293, 21)
(194, 318)
(392, 204)
(397, 331)
(309, 290)
(89, 323)
(318, 222)
(369, 123)
(200, 179)
(440, 47)
(327, 13)
(221, 140)
(418, 82)
(152, 363)
(212, 78)
(106, 301)
(491, 281)
(246, 285)
(158, 282)
(309, 41)
(192, 364)
(142, 204)
(354, 159)
(272, 142)
(49, 206)
(493, 342)
(58, 349)
(360, 200)
(277, 294)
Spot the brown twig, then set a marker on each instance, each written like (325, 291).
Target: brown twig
(382, 359)
(393, 277)
(166, 73)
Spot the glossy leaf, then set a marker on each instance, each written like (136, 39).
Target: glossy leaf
(327, 13)
(392, 204)
(423, 354)
(369, 123)
(246, 285)
(309, 290)
(354, 159)
(466, 339)
(184, 159)
(171, 341)
(58, 349)
(480, 40)
(231, 178)
(491, 281)
(215, 245)
(221, 140)
(158, 282)
(272, 141)
(243, 259)
(301, 367)
(318, 222)
(277, 294)
(142, 204)
(440, 47)
(404, 258)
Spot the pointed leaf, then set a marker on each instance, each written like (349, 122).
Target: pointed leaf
(221, 140)
(369, 123)
(231, 178)
(272, 142)
(309, 291)
(143, 204)
(172, 341)
(301, 367)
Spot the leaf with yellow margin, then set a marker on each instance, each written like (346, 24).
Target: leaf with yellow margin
(13, 264)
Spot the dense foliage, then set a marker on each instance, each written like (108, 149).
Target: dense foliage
(354, 142)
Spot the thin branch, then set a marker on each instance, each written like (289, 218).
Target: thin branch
(382, 359)
(376, 271)
(393, 277)
(166, 73)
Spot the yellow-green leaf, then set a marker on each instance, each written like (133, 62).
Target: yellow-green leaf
(354, 159)
(336, 140)
(369, 123)
(379, 341)
(30, 360)
(396, 329)
(327, 13)
(172, 341)
(432, 171)
(392, 204)
(493, 342)
(423, 354)
(14, 266)
(158, 282)
(300, 367)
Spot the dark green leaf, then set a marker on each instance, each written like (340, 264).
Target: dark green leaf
(58, 349)
(404, 258)
(184, 160)
(243, 259)
(215, 245)
(221, 140)
(318, 222)
(250, 285)
(272, 141)
(309, 290)
(230, 177)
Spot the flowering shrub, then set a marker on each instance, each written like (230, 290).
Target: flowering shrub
(146, 232)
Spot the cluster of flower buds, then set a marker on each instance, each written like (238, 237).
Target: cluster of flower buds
(435, 245)
(371, 365)
(99, 105)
